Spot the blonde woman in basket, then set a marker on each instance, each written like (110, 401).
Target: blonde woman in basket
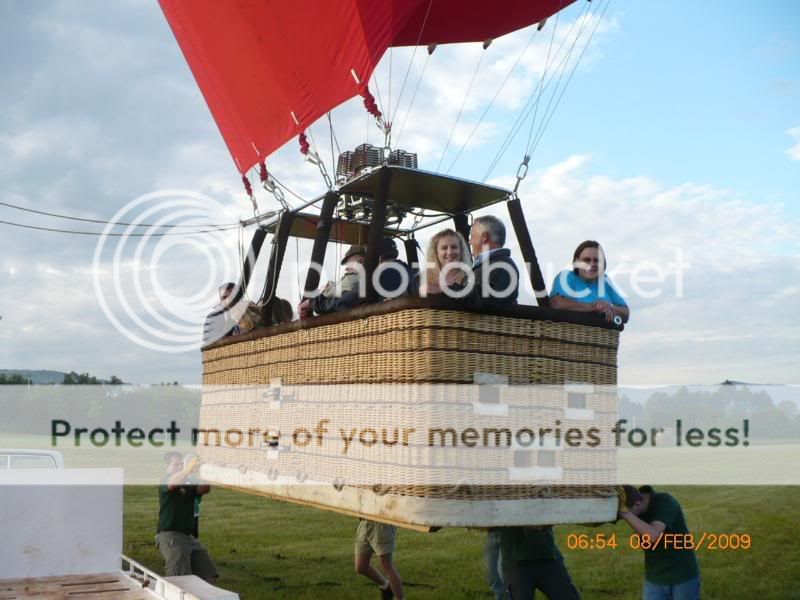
(448, 264)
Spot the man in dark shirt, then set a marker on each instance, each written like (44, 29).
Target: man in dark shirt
(221, 321)
(183, 553)
(394, 277)
(345, 294)
(496, 283)
(669, 573)
(531, 561)
(393, 280)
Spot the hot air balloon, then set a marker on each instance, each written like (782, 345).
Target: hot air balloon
(269, 70)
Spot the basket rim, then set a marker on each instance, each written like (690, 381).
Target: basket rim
(363, 311)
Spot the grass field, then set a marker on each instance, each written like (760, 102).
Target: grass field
(269, 549)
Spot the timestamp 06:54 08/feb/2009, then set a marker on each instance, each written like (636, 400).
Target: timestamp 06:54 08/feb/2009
(673, 541)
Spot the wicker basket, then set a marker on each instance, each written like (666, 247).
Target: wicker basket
(414, 346)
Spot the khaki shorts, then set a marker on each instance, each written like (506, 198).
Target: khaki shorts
(185, 555)
(375, 537)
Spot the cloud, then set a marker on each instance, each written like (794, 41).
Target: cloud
(777, 50)
(794, 152)
(64, 137)
(784, 87)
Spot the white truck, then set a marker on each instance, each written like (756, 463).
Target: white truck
(61, 536)
(18, 458)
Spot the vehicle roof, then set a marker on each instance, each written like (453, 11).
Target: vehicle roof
(36, 451)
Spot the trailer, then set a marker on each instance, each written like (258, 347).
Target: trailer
(61, 532)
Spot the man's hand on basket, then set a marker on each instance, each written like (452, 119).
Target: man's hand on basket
(622, 499)
(191, 466)
(604, 308)
(304, 309)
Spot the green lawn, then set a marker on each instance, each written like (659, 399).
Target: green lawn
(269, 549)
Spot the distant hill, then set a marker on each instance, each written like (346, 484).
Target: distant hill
(40, 376)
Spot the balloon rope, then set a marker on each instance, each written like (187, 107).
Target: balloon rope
(461, 109)
(543, 125)
(544, 75)
(103, 222)
(410, 104)
(411, 62)
(526, 110)
(489, 105)
(333, 137)
(372, 102)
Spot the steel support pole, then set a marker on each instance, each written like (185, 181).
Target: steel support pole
(528, 253)
(376, 227)
(320, 242)
(279, 241)
(249, 263)
(461, 223)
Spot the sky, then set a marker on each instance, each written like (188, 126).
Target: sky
(676, 144)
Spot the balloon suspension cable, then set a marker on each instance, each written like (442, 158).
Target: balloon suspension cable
(562, 58)
(268, 183)
(486, 44)
(411, 62)
(431, 49)
(314, 158)
(548, 114)
(249, 189)
(522, 172)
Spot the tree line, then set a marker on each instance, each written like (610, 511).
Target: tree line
(71, 378)
(725, 406)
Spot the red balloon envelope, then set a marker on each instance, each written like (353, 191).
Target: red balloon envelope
(269, 68)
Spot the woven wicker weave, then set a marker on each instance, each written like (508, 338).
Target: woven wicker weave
(407, 347)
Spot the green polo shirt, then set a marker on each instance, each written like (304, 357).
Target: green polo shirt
(526, 543)
(666, 565)
(176, 508)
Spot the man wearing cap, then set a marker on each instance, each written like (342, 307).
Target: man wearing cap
(393, 280)
(394, 276)
(344, 294)
(670, 572)
(220, 322)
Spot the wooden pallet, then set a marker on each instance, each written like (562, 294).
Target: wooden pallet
(103, 586)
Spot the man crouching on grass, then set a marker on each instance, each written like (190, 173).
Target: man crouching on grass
(377, 538)
(670, 570)
(183, 553)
